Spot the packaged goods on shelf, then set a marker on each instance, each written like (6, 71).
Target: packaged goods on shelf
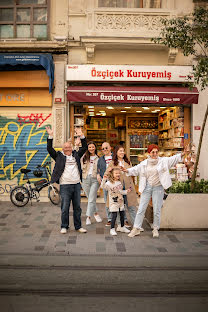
(177, 122)
(182, 173)
(179, 112)
(172, 173)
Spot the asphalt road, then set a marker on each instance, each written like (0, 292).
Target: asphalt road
(97, 284)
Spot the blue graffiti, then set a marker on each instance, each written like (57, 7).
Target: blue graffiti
(21, 147)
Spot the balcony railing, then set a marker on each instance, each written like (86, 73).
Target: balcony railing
(122, 23)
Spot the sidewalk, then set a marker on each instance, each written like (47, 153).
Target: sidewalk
(35, 230)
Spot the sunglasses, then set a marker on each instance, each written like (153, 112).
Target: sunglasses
(104, 148)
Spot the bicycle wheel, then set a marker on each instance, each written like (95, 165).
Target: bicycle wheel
(54, 195)
(19, 196)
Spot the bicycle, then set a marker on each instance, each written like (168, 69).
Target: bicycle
(20, 195)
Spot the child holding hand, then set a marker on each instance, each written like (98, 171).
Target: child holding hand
(116, 201)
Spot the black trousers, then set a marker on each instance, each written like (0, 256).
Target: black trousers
(114, 216)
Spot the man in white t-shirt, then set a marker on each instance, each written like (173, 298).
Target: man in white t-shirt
(68, 173)
(102, 165)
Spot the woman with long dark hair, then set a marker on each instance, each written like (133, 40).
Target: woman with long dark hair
(90, 183)
(120, 160)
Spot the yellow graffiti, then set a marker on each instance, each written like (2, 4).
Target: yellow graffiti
(29, 154)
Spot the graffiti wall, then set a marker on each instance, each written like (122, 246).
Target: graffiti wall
(23, 141)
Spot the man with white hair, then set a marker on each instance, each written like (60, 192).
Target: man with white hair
(67, 171)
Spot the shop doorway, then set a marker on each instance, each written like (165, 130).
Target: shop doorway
(136, 127)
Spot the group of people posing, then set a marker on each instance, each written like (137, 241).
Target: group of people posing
(76, 168)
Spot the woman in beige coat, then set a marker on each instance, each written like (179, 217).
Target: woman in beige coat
(120, 160)
(90, 183)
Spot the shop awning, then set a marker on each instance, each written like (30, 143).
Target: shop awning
(28, 61)
(133, 95)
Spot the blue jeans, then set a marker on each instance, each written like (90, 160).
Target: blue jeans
(108, 213)
(90, 186)
(70, 192)
(157, 193)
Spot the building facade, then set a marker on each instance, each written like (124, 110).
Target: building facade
(33, 56)
(91, 33)
(106, 35)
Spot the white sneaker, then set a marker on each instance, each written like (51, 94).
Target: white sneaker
(119, 228)
(124, 230)
(141, 230)
(113, 232)
(81, 230)
(155, 232)
(98, 218)
(88, 221)
(63, 231)
(134, 232)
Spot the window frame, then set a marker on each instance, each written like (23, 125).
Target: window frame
(128, 8)
(31, 23)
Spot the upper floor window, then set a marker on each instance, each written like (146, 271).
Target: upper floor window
(24, 19)
(130, 3)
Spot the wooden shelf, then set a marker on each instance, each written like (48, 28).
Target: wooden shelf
(139, 148)
(99, 129)
(178, 137)
(170, 147)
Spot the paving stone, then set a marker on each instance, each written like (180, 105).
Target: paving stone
(43, 236)
(120, 247)
(204, 243)
(60, 244)
(28, 234)
(109, 238)
(99, 230)
(71, 241)
(39, 248)
(39, 218)
(25, 226)
(173, 239)
(4, 216)
(2, 241)
(100, 247)
(162, 249)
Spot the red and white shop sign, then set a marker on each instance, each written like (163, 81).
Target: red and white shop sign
(197, 127)
(130, 95)
(128, 73)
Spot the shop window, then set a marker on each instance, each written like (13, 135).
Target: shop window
(130, 4)
(24, 19)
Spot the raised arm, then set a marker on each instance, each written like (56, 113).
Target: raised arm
(83, 148)
(173, 160)
(133, 171)
(103, 183)
(50, 148)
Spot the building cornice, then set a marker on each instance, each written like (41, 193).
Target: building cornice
(32, 46)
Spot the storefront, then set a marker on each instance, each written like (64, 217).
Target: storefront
(138, 105)
(25, 109)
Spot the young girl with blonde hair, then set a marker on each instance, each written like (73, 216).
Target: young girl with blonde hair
(111, 182)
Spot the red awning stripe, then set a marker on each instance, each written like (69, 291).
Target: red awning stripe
(139, 95)
(123, 91)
